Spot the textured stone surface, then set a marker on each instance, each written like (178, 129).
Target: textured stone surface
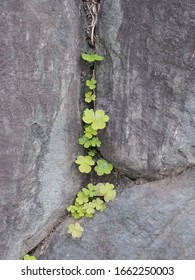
(147, 85)
(40, 46)
(151, 221)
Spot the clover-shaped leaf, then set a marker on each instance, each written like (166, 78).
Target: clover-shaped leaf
(27, 257)
(97, 119)
(76, 211)
(90, 209)
(81, 198)
(86, 142)
(92, 153)
(98, 187)
(90, 191)
(89, 131)
(92, 57)
(103, 167)
(99, 204)
(88, 116)
(100, 120)
(80, 210)
(85, 163)
(75, 230)
(95, 142)
(91, 83)
(89, 97)
(108, 192)
(72, 209)
(76, 215)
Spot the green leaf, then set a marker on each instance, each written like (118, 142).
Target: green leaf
(88, 215)
(81, 198)
(28, 257)
(72, 209)
(76, 215)
(92, 57)
(89, 131)
(91, 83)
(78, 211)
(89, 97)
(99, 204)
(98, 187)
(103, 167)
(92, 153)
(100, 120)
(95, 142)
(75, 230)
(88, 116)
(90, 209)
(87, 57)
(108, 192)
(98, 57)
(85, 163)
(90, 191)
(86, 142)
(97, 119)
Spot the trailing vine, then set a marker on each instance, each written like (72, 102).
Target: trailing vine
(91, 198)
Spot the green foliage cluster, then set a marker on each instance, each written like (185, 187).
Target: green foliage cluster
(86, 162)
(93, 197)
(89, 142)
(27, 257)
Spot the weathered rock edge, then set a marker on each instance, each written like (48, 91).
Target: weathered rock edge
(155, 220)
(147, 86)
(41, 42)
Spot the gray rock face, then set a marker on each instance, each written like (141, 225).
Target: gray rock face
(151, 221)
(40, 120)
(147, 85)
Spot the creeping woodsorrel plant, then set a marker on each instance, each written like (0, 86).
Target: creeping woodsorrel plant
(92, 198)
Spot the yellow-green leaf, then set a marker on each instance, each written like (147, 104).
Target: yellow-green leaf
(76, 230)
